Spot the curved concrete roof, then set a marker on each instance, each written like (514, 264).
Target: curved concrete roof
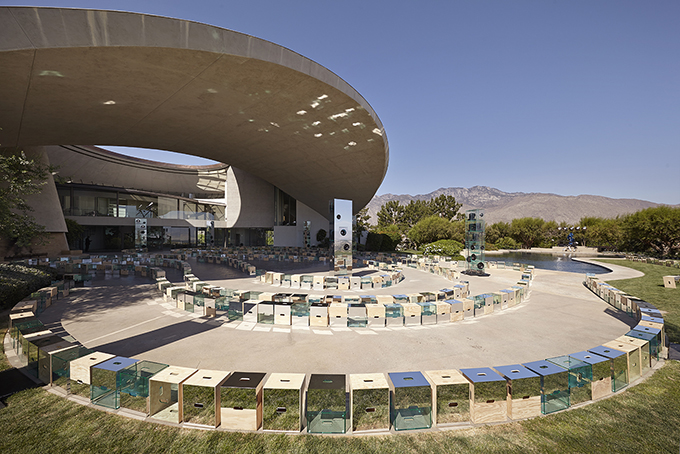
(73, 76)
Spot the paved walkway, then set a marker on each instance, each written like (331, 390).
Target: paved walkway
(127, 317)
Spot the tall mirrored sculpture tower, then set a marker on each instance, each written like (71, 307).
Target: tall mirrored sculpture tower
(474, 241)
(341, 236)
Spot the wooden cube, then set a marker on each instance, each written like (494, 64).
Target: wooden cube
(450, 396)
(241, 401)
(164, 396)
(200, 397)
(80, 375)
(488, 395)
(633, 361)
(282, 402)
(601, 385)
(370, 398)
(643, 348)
(524, 391)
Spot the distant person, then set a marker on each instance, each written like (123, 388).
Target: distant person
(87, 243)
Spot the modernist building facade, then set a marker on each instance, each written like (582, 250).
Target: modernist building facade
(292, 135)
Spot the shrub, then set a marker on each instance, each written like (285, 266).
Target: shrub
(507, 243)
(19, 281)
(443, 247)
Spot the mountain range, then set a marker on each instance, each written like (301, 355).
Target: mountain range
(506, 206)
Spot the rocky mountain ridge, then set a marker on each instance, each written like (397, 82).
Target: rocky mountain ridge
(506, 206)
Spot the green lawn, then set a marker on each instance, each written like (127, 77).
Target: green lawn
(644, 419)
(650, 288)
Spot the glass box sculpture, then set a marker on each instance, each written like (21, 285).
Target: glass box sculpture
(474, 241)
(300, 311)
(451, 396)
(428, 313)
(632, 357)
(327, 404)
(601, 383)
(411, 401)
(133, 383)
(282, 402)
(554, 385)
(34, 348)
(370, 397)
(580, 378)
(164, 397)
(80, 376)
(105, 381)
(619, 365)
(488, 395)
(200, 397)
(265, 312)
(524, 391)
(241, 401)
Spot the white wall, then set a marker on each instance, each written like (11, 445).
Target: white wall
(250, 200)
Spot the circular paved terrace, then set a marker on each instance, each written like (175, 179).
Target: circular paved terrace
(128, 317)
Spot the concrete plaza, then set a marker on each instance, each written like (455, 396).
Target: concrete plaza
(128, 317)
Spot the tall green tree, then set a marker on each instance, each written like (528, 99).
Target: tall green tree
(655, 230)
(429, 230)
(445, 206)
(527, 231)
(391, 213)
(19, 178)
(362, 224)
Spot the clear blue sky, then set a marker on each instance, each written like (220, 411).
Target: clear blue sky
(568, 97)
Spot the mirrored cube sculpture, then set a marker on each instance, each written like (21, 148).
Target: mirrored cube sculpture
(370, 397)
(250, 311)
(412, 314)
(25, 337)
(443, 312)
(658, 332)
(327, 404)
(634, 368)
(357, 315)
(200, 397)
(32, 351)
(355, 282)
(61, 365)
(524, 391)
(337, 314)
(366, 282)
(428, 313)
(509, 297)
(282, 402)
(318, 314)
(580, 378)
(80, 377)
(307, 281)
(394, 314)
(488, 395)
(235, 311)
(265, 312)
(375, 314)
(619, 365)
(457, 310)
(105, 380)
(643, 348)
(500, 301)
(554, 385)
(654, 348)
(164, 395)
(241, 401)
(410, 401)
(45, 358)
(282, 313)
(133, 383)
(601, 383)
(46, 347)
(300, 312)
(450, 396)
